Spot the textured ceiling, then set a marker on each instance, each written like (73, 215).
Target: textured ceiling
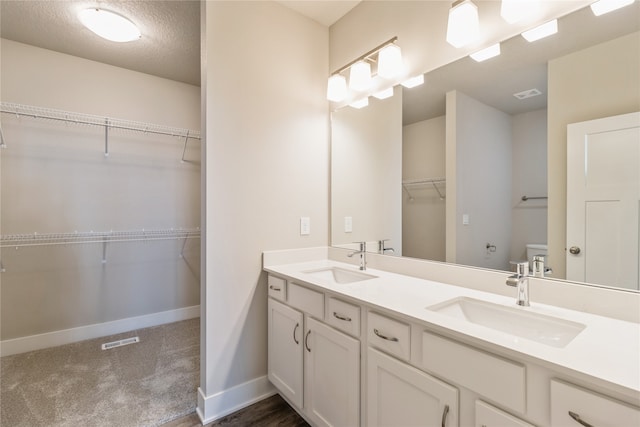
(169, 47)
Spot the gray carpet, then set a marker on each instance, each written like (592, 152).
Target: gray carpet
(143, 384)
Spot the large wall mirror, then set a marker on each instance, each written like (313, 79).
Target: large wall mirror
(471, 167)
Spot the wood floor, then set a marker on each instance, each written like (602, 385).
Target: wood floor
(273, 411)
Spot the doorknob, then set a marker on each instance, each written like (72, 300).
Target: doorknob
(574, 250)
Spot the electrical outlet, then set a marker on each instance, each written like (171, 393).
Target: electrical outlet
(305, 226)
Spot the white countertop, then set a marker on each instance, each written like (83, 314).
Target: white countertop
(606, 350)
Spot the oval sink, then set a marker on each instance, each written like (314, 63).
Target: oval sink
(339, 275)
(511, 320)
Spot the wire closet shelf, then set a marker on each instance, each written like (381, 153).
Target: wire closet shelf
(108, 123)
(438, 184)
(49, 239)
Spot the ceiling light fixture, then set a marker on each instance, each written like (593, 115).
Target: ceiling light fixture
(513, 11)
(109, 25)
(337, 88)
(542, 31)
(413, 81)
(486, 53)
(605, 6)
(387, 93)
(463, 26)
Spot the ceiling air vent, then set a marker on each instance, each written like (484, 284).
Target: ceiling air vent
(529, 93)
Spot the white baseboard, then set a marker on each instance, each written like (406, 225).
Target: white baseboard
(211, 408)
(66, 336)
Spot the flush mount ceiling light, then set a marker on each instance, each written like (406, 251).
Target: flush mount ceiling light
(486, 53)
(516, 10)
(337, 88)
(109, 25)
(413, 81)
(463, 26)
(605, 6)
(542, 31)
(390, 63)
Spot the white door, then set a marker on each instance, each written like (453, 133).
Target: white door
(603, 201)
(399, 395)
(285, 333)
(332, 376)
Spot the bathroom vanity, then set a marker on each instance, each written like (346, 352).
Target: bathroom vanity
(371, 348)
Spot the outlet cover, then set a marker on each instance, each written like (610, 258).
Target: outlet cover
(348, 224)
(305, 226)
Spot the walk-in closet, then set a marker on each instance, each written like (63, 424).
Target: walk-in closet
(99, 217)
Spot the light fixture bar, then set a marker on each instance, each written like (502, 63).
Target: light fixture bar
(366, 55)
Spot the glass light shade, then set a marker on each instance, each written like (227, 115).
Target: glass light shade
(542, 31)
(109, 25)
(337, 88)
(390, 62)
(605, 6)
(361, 103)
(486, 53)
(413, 81)
(516, 10)
(387, 93)
(360, 76)
(463, 26)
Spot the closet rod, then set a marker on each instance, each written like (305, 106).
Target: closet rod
(87, 119)
(52, 239)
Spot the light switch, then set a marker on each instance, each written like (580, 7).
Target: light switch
(465, 219)
(305, 226)
(348, 224)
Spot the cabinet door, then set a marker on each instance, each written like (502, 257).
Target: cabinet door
(399, 395)
(332, 376)
(285, 333)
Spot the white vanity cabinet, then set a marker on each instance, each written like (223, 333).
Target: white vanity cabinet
(313, 365)
(401, 395)
(490, 416)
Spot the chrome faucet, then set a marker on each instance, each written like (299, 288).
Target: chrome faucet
(363, 255)
(520, 280)
(382, 249)
(538, 269)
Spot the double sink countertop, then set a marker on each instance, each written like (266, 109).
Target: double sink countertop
(605, 350)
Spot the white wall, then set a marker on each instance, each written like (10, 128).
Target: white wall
(529, 179)
(423, 218)
(266, 165)
(366, 171)
(606, 85)
(479, 162)
(55, 179)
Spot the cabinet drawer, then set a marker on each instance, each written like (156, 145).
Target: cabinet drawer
(498, 379)
(488, 416)
(307, 300)
(343, 316)
(277, 288)
(590, 407)
(389, 335)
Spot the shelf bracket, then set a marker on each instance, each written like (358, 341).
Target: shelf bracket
(438, 190)
(104, 251)
(106, 138)
(184, 149)
(184, 243)
(2, 143)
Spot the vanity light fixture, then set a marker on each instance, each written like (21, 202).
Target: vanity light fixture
(109, 25)
(542, 31)
(337, 88)
(387, 93)
(413, 81)
(360, 76)
(463, 26)
(486, 53)
(390, 63)
(360, 103)
(605, 6)
(513, 11)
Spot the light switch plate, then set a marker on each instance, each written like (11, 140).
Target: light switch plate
(465, 219)
(348, 224)
(305, 226)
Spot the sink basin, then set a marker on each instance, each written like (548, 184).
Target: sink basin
(339, 275)
(511, 320)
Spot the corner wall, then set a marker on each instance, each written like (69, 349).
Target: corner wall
(266, 156)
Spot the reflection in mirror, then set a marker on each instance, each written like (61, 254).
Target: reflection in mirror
(482, 176)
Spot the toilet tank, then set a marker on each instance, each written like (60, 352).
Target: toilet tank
(534, 249)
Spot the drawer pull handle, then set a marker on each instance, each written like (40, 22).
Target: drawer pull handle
(444, 415)
(274, 288)
(345, 318)
(306, 341)
(579, 420)
(294, 333)
(394, 339)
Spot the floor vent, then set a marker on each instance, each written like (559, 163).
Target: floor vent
(120, 343)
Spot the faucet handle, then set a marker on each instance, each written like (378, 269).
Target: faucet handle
(522, 267)
(363, 246)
